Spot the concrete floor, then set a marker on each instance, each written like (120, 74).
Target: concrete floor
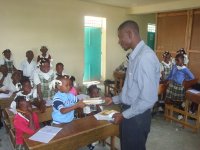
(163, 136)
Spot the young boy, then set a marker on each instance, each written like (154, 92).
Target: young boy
(15, 85)
(28, 66)
(25, 121)
(64, 103)
(59, 70)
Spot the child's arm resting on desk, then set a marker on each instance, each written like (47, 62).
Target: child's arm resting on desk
(60, 106)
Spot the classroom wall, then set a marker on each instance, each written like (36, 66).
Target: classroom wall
(59, 25)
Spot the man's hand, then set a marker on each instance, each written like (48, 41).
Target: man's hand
(108, 100)
(118, 117)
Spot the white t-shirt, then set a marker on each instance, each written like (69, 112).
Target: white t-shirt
(28, 68)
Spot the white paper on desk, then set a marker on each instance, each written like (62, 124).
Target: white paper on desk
(3, 95)
(45, 134)
(194, 91)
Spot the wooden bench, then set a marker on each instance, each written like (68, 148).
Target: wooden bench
(170, 110)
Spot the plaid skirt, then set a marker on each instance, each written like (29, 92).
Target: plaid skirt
(20, 147)
(175, 92)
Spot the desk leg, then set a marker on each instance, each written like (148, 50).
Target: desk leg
(198, 119)
(112, 143)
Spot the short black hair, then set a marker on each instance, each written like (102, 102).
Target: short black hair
(91, 88)
(59, 64)
(6, 51)
(180, 56)
(29, 51)
(130, 24)
(24, 80)
(18, 100)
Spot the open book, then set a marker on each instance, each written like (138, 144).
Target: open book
(45, 134)
(106, 115)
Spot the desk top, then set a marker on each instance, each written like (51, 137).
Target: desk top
(42, 116)
(193, 97)
(77, 133)
(5, 102)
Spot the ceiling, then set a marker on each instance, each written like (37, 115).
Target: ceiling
(150, 6)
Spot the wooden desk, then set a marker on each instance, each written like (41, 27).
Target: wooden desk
(46, 116)
(77, 134)
(170, 110)
(5, 102)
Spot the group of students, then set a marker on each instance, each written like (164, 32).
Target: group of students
(174, 72)
(34, 84)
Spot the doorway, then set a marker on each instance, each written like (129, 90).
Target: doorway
(94, 48)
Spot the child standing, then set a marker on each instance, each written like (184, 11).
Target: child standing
(165, 66)
(179, 73)
(44, 54)
(28, 66)
(186, 59)
(7, 60)
(43, 76)
(64, 103)
(25, 121)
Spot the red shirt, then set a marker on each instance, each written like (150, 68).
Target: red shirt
(21, 125)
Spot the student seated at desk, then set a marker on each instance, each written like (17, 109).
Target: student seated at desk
(64, 103)
(25, 121)
(93, 92)
(30, 94)
(175, 91)
(14, 86)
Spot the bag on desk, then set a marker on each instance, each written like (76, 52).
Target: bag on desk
(196, 86)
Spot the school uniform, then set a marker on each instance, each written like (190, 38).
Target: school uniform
(40, 57)
(175, 90)
(29, 97)
(44, 79)
(21, 126)
(28, 68)
(60, 75)
(8, 63)
(165, 68)
(13, 88)
(63, 100)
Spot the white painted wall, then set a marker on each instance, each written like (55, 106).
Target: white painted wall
(29, 24)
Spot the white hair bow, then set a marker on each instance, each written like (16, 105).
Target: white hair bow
(54, 83)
